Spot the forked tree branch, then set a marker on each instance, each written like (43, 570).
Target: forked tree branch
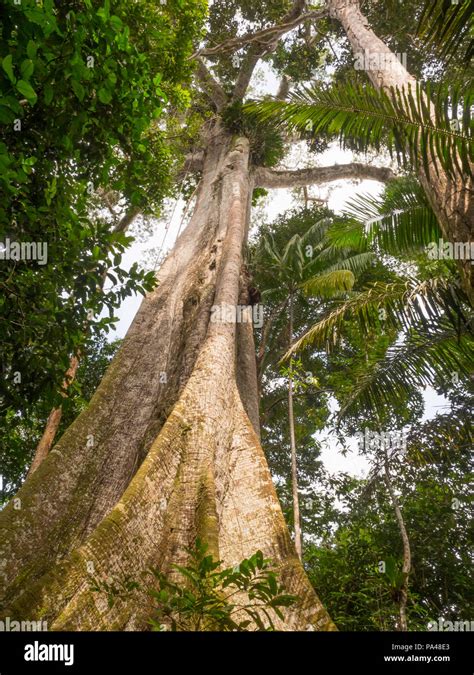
(260, 47)
(246, 71)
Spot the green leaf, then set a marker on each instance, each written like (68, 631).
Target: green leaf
(78, 89)
(27, 68)
(27, 90)
(116, 22)
(31, 49)
(48, 93)
(30, 161)
(7, 65)
(6, 115)
(104, 95)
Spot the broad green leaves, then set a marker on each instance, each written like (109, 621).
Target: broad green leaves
(7, 65)
(79, 90)
(27, 90)
(208, 598)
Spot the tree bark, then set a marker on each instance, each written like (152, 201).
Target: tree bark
(406, 565)
(451, 198)
(166, 450)
(291, 420)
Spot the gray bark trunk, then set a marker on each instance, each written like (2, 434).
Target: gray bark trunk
(406, 565)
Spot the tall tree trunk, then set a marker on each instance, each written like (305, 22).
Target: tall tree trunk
(291, 419)
(165, 451)
(406, 565)
(451, 197)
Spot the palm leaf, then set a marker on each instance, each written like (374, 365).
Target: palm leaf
(399, 222)
(421, 360)
(330, 283)
(418, 127)
(447, 24)
(401, 305)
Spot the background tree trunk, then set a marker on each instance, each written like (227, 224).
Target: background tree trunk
(451, 197)
(406, 565)
(54, 420)
(291, 421)
(165, 451)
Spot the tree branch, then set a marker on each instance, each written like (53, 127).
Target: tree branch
(211, 87)
(266, 35)
(127, 219)
(269, 178)
(245, 75)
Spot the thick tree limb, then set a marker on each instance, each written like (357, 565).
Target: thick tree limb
(245, 75)
(269, 178)
(211, 87)
(127, 219)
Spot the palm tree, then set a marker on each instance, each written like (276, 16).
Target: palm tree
(447, 25)
(431, 315)
(307, 265)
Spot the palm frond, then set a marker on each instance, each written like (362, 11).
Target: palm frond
(401, 221)
(418, 127)
(446, 24)
(424, 358)
(330, 283)
(356, 263)
(401, 305)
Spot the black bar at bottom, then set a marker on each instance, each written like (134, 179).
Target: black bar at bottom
(88, 653)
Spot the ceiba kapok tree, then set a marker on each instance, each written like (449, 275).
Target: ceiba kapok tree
(168, 449)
